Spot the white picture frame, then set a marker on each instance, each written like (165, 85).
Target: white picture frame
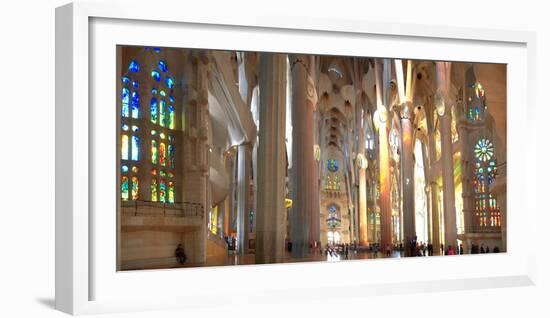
(85, 280)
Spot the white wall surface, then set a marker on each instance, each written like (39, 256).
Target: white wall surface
(27, 160)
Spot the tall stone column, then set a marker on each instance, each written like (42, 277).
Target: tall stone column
(443, 107)
(361, 166)
(270, 204)
(243, 204)
(498, 189)
(363, 216)
(197, 156)
(302, 156)
(436, 240)
(407, 177)
(381, 118)
(314, 229)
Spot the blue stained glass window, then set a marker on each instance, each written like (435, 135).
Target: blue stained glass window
(125, 102)
(171, 154)
(157, 49)
(125, 80)
(124, 168)
(332, 165)
(134, 66)
(162, 66)
(135, 148)
(162, 113)
(154, 110)
(171, 117)
(169, 82)
(155, 75)
(135, 104)
(154, 91)
(162, 93)
(135, 84)
(171, 99)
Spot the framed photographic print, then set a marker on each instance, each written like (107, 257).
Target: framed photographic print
(240, 155)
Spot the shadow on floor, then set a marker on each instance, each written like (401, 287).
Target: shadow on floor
(47, 302)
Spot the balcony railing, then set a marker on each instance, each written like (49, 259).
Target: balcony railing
(483, 229)
(152, 209)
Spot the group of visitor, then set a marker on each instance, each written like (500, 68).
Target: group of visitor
(477, 249)
(231, 242)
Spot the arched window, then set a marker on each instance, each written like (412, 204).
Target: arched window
(124, 188)
(135, 188)
(154, 152)
(125, 102)
(333, 219)
(135, 103)
(162, 190)
(124, 147)
(486, 210)
(476, 104)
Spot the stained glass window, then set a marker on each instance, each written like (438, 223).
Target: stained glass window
(155, 75)
(333, 219)
(171, 156)
(476, 105)
(154, 109)
(162, 66)
(162, 113)
(135, 188)
(162, 154)
(162, 191)
(485, 171)
(125, 102)
(135, 104)
(171, 197)
(169, 82)
(134, 66)
(124, 188)
(484, 149)
(332, 165)
(154, 152)
(124, 169)
(124, 147)
(154, 196)
(171, 117)
(135, 147)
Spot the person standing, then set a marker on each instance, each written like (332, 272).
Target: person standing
(180, 254)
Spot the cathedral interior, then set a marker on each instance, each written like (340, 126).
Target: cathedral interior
(257, 158)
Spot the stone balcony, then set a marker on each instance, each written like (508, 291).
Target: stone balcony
(157, 216)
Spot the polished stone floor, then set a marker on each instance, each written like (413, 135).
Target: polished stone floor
(249, 259)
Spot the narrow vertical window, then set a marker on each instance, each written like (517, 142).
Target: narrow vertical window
(125, 102)
(162, 154)
(162, 191)
(154, 196)
(162, 113)
(135, 104)
(135, 148)
(171, 156)
(171, 198)
(171, 117)
(135, 188)
(154, 110)
(124, 188)
(124, 147)
(154, 152)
